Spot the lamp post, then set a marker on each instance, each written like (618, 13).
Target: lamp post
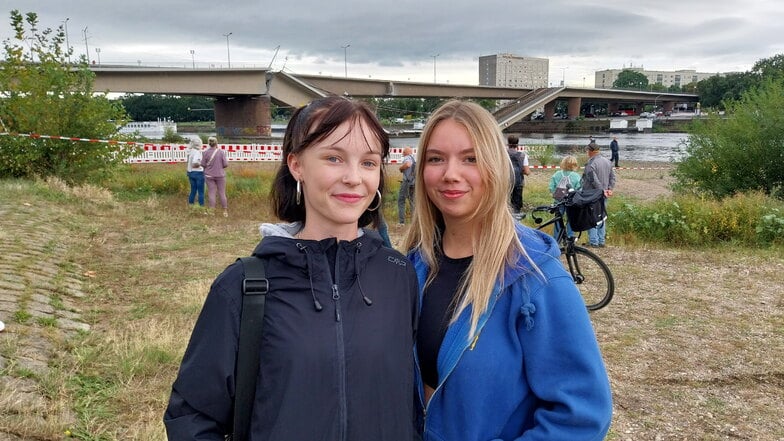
(86, 47)
(654, 102)
(345, 58)
(193, 58)
(228, 53)
(434, 67)
(98, 52)
(67, 44)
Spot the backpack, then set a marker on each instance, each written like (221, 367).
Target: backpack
(585, 209)
(517, 166)
(254, 294)
(563, 187)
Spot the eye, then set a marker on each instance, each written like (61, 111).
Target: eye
(470, 159)
(369, 163)
(333, 158)
(434, 159)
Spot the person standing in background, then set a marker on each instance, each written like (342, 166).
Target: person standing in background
(521, 170)
(406, 193)
(195, 172)
(568, 175)
(598, 174)
(614, 150)
(215, 162)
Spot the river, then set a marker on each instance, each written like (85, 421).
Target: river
(653, 147)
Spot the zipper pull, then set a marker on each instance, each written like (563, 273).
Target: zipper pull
(336, 297)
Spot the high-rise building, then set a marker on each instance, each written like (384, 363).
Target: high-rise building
(509, 70)
(604, 79)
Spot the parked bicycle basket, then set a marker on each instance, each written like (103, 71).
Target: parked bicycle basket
(585, 209)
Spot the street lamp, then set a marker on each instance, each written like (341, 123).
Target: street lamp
(434, 66)
(67, 45)
(86, 47)
(98, 51)
(345, 58)
(228, 53)
(193, 58)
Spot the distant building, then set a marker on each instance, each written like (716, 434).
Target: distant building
(680, 78)
(509, 70)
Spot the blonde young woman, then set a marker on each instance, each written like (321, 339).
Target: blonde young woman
(569, 169)
(505, 347)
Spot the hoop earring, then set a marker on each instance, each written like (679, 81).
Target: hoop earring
(378, 192)
(298, 197)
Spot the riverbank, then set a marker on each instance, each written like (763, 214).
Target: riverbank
(692, 340)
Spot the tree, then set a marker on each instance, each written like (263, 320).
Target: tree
(742, 152)
(43, 94)
(179, 109)
(630, 79)
(769, 68)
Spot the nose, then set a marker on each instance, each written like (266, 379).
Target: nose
(352, 176)
(451, 171)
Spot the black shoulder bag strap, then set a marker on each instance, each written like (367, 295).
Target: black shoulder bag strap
(254, 293)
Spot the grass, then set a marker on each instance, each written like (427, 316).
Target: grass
(152, 261)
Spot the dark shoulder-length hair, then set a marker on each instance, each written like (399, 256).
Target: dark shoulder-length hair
(310, 125)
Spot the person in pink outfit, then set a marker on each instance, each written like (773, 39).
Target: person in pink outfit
(215, 162)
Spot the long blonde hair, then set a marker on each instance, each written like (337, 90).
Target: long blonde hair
(496, 245)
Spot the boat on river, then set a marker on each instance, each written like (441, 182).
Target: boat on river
(149, 129)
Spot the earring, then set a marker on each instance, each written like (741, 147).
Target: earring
(378, 192)
(298, 193)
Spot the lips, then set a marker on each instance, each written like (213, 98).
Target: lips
(349, 198)
(452, 194)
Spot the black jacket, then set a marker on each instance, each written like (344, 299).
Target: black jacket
(344, 372)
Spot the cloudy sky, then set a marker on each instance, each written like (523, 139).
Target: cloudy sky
(401, 39)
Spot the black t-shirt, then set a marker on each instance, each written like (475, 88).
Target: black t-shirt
(437, 308)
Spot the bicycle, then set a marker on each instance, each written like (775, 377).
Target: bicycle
(591, 275)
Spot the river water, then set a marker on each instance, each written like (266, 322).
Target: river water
(653, 147)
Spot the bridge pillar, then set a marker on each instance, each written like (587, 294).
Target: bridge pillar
(549, 111)
(640, 107)
(240, 116)
(573, 110)
(612, 107)
(668, 106)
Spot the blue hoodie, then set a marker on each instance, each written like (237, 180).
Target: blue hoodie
(534, 372)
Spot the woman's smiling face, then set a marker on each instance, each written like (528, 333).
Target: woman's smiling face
(450, 174)
(339, 176)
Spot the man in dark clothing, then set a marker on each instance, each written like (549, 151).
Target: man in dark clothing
(520, 168)
(614, 150)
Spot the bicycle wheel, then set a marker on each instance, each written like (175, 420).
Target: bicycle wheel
(592, 276)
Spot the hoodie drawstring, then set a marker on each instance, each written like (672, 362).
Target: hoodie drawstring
(365, 298)
(316, 303)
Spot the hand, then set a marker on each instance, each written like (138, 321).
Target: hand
(608, 192)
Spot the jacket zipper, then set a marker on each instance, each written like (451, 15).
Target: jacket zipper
(343, 411)
(441, 382)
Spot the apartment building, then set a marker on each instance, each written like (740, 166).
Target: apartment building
(604, 79)
(509, 70)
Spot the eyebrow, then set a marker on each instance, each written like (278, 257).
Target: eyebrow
(341, 149)
(461, 152)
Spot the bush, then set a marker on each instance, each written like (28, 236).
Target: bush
(42, 93)
(743, 152)
(752, 219)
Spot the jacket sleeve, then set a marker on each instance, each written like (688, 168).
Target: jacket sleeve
(564, 366)
(224, 159)
(200, 406)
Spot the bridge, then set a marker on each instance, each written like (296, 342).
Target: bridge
(243, 96)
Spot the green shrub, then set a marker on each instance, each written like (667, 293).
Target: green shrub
(750, 219)
(739, 153)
